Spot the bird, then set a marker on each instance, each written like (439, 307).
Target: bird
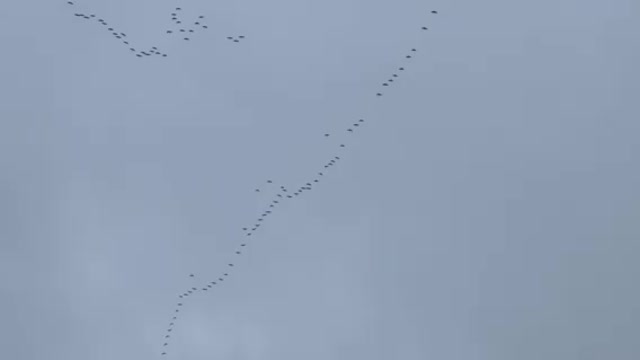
(191, 275)
(424, 28)
(326, 135)
(434, 12)
(401, 68)
(378, 94)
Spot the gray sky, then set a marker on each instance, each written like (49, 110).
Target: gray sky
(487, 209)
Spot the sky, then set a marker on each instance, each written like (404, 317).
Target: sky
(486, 208)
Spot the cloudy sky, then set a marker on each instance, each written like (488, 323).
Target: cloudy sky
(487, 208)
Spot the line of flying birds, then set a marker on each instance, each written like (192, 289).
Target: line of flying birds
(180, 27)
(281, 194)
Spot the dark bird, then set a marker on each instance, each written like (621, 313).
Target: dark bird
(414, 50)
(385, 84)
(395, 75)
(269, 181)
(191, 275)
(205, 26)
(201, 17)
(434, 12)
(378, 94)
(225, 274)
(243, 244)
(341, 145)
(70, 2)
(401, 69)
(424, 28)
(326, 135)
(236, 40)
(165, 344)
(238, 252)
(408, 56)
(241, 37)
(231, 265)
(169, 32)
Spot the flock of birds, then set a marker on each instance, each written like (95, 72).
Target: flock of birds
(184, 29)
(281, 194)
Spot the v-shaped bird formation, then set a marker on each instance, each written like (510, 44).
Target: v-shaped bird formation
(185, 30)
(180, 29)
(280, 194)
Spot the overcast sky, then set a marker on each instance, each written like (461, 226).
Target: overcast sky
(487, 208)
